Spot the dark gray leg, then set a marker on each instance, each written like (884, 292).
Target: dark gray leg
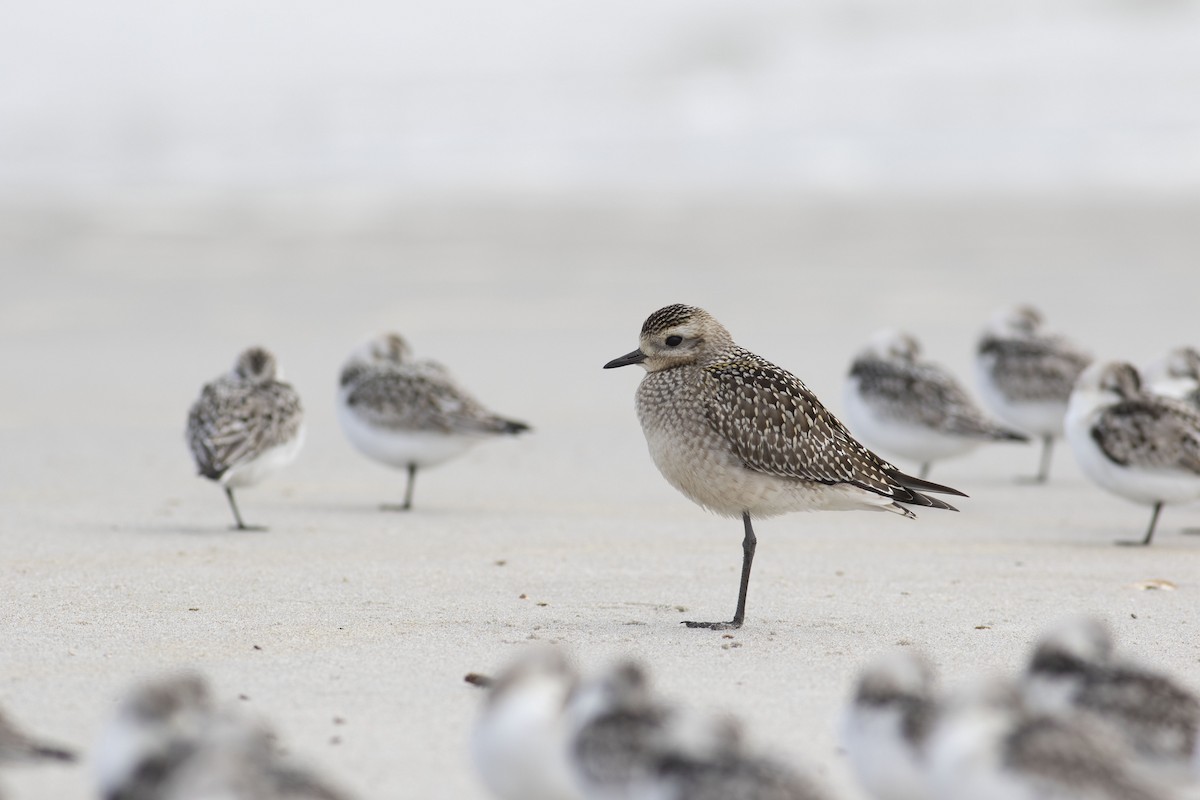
(925, 470)
(1149, 531)
(241, 526)
(1044, 468)
(748, 544)
(408, 492)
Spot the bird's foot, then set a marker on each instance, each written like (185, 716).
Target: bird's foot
(395, 507)
(1131, 543)
(249, 528)
(1030, 480)
(714, 626)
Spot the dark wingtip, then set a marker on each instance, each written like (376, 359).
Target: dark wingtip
(55, 753)
(482, 681)
(512, 426)
(922, 485)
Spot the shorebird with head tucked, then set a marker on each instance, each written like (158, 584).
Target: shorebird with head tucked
(245, 425)
(410, 414)
(913, 408)
(1026, 374)
(1141, 446)
(885, 730)
(742, 437)
(1073, 669)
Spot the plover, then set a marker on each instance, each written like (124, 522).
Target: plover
(742, 437)
(987, 745)
(906, 406)
(1141, 446)
(410, 414)
(157, 727)
(1073, 669)
(17, 747)
(169, 741)
(627, 744)
(1026, 374)
(245, 425)
(519, 742)
(885, 729)
(1177, 375)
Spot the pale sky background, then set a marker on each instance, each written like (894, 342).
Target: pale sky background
(852, 96)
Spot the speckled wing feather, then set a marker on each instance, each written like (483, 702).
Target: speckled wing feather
(778, 427)
(616, 748)
(422, 398)
(233, 421)
(924, 394)
(1150, 707)
(1043, 368)
(1151, 432)
(732, 776)
(1070, 762)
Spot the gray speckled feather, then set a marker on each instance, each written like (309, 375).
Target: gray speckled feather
(1151, 432)
(926, 395)
(240, 416)
(1035, 367)
(1065, 759)
(419, 396)
(777, 426)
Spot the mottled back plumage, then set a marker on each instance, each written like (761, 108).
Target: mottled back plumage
(1026, 363)
(924, 394)
(389, 390)
(241, 415)
(777, 426)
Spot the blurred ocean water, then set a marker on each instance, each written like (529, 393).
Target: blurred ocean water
(844, 96)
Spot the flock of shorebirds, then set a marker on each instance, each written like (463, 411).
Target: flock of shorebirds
(745, 438)
(1079, 723)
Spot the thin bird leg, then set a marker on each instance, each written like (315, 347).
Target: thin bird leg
(1044, 468)
(924, 470)
(241, 526)
(408, 492)
(1149, 531)
(749, 542)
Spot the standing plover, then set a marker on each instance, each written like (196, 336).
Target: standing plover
(1141, 446)
(1026, 374)
(410, 414)
(885, 729)
(519, 742)
(909, 407)
(245, 425)
(987, 745)
(1073, 669)
(742, 437)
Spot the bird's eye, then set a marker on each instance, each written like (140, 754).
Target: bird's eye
(673, 341)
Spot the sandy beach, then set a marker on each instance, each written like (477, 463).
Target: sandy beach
(351, 628)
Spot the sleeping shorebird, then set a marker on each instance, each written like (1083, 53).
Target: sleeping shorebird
(988, 745)
(1141, 446)
(1177, 375)
(1073, 669)
(913, 408)
(1026, 374)
(245, 425)
(410, 414)
(519, 743)
(742, 437)
(628, 744)
(885, 730)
